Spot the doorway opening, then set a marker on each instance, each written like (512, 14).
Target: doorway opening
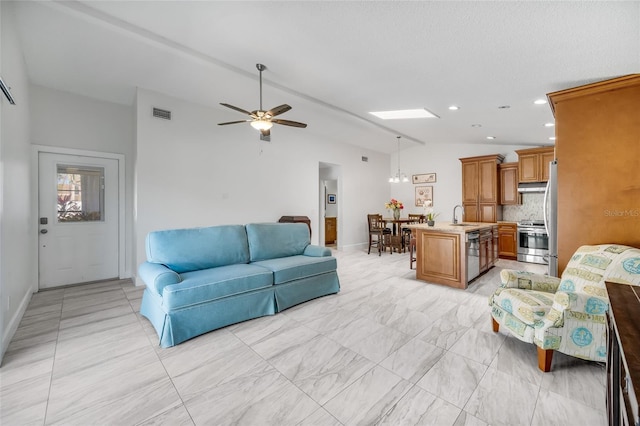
(330, 203)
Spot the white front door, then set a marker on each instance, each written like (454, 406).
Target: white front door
(78, 220)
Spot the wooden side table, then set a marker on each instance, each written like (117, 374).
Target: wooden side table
(623, 354)
(296, 219)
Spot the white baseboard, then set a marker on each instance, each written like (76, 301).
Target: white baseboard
(14, 323)
(352, 247)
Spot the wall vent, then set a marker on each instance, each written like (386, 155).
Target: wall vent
(162, 113)
(365, 159)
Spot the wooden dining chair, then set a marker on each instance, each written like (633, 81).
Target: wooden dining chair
(377, 232)
(411, 241)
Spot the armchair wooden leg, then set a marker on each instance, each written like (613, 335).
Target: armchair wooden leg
(495, 325)
(544, 359)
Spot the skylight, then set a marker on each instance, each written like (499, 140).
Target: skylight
(404, 113)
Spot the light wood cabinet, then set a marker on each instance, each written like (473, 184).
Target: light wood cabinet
(496, 248)
(330, 230)
(507, 240)
(533, 164)
(597, 128)
(480, 188)
(470, 185)
(486, 249)
(441, 252)
(440, 258)
(509, 178)
(545, 158)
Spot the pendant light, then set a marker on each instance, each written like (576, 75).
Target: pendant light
(399, 177)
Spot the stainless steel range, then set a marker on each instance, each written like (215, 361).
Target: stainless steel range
(533, 242)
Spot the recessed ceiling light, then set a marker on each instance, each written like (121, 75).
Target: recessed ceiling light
(476, 125)
(552, 138)
(540, 101)
(549, 124)
(405, 113)
(454, 108)
(491, 137)
(504, 107)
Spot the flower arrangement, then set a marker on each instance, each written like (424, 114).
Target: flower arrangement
(394, 205)
(429, 214)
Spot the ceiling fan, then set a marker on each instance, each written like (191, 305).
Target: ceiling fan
(261, 119)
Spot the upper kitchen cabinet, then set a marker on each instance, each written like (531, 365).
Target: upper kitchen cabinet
(533, 164)
(509, 194)
(481, 188)
(598, 147)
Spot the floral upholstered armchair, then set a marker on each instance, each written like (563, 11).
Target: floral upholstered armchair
(566, 314)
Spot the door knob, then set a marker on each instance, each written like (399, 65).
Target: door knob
(43, 231)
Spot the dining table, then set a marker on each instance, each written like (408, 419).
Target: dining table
(396, 241)
(396, 222)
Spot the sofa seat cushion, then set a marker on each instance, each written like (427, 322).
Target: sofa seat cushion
(215, 283)
(529, 306)
(291, 268)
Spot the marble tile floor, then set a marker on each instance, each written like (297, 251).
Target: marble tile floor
(387, 350)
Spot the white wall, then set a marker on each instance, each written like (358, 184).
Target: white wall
(62, 119)
(442, 159)
(18, 251)
(192, 172)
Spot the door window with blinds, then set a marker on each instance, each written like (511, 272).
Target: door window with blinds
(80, 193)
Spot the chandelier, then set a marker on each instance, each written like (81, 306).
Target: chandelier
(399, 177)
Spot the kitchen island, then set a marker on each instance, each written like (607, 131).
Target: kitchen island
(454, 254)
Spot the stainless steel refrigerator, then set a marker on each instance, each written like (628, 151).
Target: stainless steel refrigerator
(551, 217)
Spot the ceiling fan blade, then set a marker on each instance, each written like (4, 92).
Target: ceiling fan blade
(278, 110)
(237, 109)
(288, 123)
(234, 122)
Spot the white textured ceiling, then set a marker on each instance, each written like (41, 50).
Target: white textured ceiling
(333, 62)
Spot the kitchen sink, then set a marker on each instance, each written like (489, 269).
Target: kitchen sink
(462, 224)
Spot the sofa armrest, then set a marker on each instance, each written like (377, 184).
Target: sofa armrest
(156, 276)
(590, 304)
(316, 251)
(581, 309)
(528, 281)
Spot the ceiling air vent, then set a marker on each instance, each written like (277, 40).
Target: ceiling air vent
(161, 113)
(365, 159)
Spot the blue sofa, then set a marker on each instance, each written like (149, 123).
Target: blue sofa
(201, 279)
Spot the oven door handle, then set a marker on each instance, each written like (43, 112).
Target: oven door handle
(532, 231)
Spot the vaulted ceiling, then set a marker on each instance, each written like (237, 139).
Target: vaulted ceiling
(336, 61)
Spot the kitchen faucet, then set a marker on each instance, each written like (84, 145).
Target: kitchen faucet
(454, 212)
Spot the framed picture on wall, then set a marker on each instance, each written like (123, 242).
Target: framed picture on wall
(424, 178)
(423, 193)
(331, 198)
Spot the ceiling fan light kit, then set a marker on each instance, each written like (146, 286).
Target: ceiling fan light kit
(263, 120)
(261, 124)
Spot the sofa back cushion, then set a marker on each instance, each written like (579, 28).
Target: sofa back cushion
(274, 240)
(591, 266)
(185, 250)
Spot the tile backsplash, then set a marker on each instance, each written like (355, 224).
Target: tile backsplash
(531, 208)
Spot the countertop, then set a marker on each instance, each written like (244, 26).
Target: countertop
(449, 227)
